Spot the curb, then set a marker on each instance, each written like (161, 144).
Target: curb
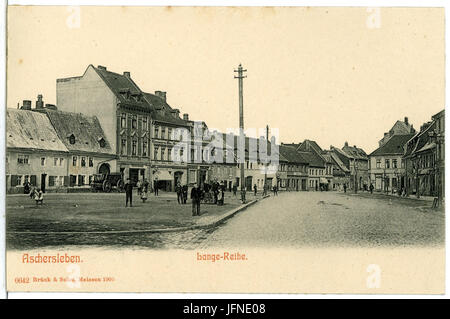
(160, 230)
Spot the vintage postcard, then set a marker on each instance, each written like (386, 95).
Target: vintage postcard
(225, 149)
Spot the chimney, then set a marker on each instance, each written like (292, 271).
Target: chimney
(101, 67)
(186, 117)
(406, 120)
(26, 105)
(127, 74)
(346, 144)
(39, 102)
(161, 94)
(176, 113)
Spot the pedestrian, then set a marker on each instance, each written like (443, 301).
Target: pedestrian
(195, 198)
(32, 191)
(255, 189)
(276, 190)
(371, 188)
(179, 191)
(129, 193)
(39, 196)
(26, 188)
(234, 189)
(345, 188)
(156, 188)
(185, 193)
(144, 191)
(139, 187)
(215, 190)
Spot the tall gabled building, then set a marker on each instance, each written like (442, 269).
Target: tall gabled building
(137, 124)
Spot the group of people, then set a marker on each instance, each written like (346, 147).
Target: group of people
(142, 191)
(34, 192)
(182, 193)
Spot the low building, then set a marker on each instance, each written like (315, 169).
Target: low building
(89, 150)
(34, 152)
(295, 167)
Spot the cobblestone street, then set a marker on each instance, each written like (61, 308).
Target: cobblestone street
(332, 219)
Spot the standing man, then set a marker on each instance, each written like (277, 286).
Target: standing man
(129, 193)
(179, 193)
(371, 188)
(156, 187)
(185, 193)
(195, 197)
(345, 188)
(255, 189)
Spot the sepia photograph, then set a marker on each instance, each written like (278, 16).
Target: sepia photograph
(200, 149)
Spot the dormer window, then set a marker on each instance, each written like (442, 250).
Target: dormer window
(102, 142)
(72, 139)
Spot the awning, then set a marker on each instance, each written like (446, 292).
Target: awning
(163, 176)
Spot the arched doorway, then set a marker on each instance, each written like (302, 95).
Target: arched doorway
(104, 169)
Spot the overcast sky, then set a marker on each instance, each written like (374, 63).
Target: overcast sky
(327, 74)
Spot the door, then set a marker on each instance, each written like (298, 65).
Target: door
(248, 183)
(43, 178)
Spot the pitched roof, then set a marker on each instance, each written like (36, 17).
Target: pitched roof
(31, 130)
(339, 163)
(355, 152)
(291, 155)
(420, 139)
(121, 84)
(86, 130)
(161, 111)
(393, 146)
(129, 93)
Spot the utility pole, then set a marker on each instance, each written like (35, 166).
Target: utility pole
(356, 176)
(265, 165)
(240, 71)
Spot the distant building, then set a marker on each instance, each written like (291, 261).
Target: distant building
(295, 167)
(387, 169)
(34, 152)
(359, 166)
(341, 173)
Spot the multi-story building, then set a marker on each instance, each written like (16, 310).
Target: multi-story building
(341, 173)
(34, 152)
(386, 166)
(295, 167)
(359, 166)
(137, 124)
(424, 159)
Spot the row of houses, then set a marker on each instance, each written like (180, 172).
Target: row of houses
(410, 161)
(103, 122)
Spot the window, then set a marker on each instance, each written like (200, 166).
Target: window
(61, 161)
(394, 163)
(134, 122)
(387, 163)
(123, 121)
(144, 123)
(378, 163)
(72, 139)
(169, 134)
(144, 148)
(91, 162)
(155, 153)
(55, 161)
(19, 180)
(163, 153)
(22, 159)
(83, 161)
(74, 161)
(163, 132)
(123, 149)
(42, 161)
(134, 148)
(156, 131)
(169, 154)
(102, 142)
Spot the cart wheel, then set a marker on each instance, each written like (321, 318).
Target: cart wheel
(120, 185)
(106, 186)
